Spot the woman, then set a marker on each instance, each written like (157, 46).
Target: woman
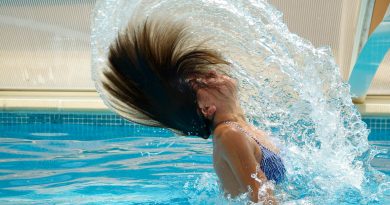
(156, 76)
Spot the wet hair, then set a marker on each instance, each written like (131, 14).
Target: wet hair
(151, 73)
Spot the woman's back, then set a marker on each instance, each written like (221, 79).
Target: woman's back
(222, 144)
(237, 158)
(270, 162)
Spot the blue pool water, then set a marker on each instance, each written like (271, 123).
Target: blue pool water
(81, 158)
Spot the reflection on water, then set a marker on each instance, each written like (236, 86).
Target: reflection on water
(114, 167)
(118, 167)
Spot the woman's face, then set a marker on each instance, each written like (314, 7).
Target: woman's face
(220, 93)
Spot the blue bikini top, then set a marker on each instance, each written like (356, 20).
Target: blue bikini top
(271, 163)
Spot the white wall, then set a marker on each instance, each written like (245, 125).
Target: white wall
(46, 45)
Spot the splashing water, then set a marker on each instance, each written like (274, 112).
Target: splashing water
(287, 87)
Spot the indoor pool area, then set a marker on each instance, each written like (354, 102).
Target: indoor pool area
(87, 120)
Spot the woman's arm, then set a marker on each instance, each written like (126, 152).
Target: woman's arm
(239, 154)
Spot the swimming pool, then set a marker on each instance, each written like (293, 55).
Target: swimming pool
(99, 158)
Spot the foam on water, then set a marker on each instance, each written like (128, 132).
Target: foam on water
(287, 87)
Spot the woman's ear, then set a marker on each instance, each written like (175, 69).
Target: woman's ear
(211, 111)
(206, 104)
(208, 111)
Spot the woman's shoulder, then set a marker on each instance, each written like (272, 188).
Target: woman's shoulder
(225, 130)
(229, 139)
(230, 136)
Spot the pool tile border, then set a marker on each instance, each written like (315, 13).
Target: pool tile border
(381, 124)
(47, 117)
(110, 118)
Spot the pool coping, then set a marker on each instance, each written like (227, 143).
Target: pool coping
(52, 101)
(375, 105)
(90, 101)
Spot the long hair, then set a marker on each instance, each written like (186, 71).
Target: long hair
(147, 80)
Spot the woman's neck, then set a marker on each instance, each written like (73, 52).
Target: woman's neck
(219, 117)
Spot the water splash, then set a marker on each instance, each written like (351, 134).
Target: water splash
(287, 87)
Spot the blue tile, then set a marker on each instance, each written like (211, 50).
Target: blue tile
(378, 124)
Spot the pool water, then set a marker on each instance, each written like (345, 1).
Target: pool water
(55, 162)
(89, 164)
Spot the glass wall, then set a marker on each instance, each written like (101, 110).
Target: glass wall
(44, 44)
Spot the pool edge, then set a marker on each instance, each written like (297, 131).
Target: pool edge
(90, 101)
